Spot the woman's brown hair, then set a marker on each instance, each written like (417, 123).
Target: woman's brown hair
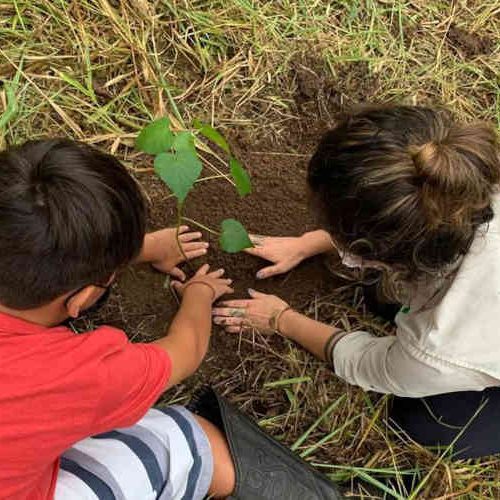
(406, 186)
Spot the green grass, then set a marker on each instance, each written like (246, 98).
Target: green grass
(98, 70)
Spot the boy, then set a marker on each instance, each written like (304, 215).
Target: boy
(70, 218)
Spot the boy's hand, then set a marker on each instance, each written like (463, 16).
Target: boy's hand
(161, 249)
(287, 252)
(262, 312)
(205, 282)
(189, 333)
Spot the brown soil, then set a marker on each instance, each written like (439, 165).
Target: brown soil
(468, 44)
(320, 96)
(240, 366)
(141, 304)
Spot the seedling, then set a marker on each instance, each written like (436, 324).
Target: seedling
(178, 165)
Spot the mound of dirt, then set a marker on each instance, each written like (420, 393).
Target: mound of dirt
(141, 304)
(467, 43)
(322, 96)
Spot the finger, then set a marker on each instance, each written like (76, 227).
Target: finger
(183, 229)
(178, 273)
(235, 329)
(177, 286)
(255, 251)
(228, 311)
(196, 253)
(184, 238)
(196, 245)
(267, 272)
(239, 304)
(223, 282)
(203, 270)
(228, 321)
(257, 239)
(255, 294)
(217, 274)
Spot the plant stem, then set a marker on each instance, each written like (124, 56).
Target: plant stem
(180, 206)
(197, 181)
(191, 221)
(210, 177)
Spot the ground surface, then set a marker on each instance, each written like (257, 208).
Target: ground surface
(272, 76)
(278, 206)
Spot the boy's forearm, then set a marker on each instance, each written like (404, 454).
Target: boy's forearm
(317, 242)
(310, 334)
(188, 336)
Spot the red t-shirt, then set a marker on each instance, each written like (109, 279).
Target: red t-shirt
(58, 387)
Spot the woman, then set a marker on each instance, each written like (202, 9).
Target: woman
(412, 193)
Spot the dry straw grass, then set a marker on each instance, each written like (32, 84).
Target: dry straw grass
(97, 70)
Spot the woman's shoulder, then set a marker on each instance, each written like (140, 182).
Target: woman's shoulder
(461, 325)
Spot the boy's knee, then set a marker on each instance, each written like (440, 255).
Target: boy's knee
(224, 475)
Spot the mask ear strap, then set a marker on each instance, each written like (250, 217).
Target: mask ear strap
(102, 287)
(100, 302)
(71, 295)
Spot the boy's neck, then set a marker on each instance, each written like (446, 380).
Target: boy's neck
(48, 315)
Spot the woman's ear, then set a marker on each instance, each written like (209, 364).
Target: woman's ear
(81, 300)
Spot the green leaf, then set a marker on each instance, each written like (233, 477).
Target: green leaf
(288, 381)
(184, 142)
(179, 171)
(240, 177)
(12, 106)
(76, 84)
(234, 237)
(156, 137)
(212, 135)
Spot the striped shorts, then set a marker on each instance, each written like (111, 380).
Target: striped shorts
(165, 456)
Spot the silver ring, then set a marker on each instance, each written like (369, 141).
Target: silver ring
(237, 313)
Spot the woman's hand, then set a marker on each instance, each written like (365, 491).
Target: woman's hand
(161, 249)
(205, 282)
(262, 312)
(287, 252)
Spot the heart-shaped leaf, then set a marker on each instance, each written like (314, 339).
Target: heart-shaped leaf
(184, 142)
(234, 237)
(179, 171)
(156, 137)
(240, 177)
(212, 135)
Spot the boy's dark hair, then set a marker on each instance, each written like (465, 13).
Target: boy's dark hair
(70, 216)
(407, 186)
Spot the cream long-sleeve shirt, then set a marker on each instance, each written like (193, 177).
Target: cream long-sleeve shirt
(452, 346)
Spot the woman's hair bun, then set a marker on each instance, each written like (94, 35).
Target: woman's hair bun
(426, 157)
(412, 184)
(458, 170)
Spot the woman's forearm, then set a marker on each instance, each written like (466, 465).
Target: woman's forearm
(317, 242)
(310, 334)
